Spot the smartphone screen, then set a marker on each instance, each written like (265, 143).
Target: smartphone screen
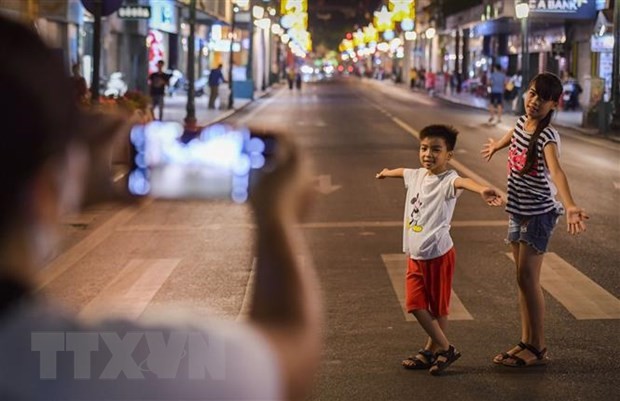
(214, 163)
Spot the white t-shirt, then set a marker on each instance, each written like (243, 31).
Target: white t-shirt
(50, 355)
(428, 211)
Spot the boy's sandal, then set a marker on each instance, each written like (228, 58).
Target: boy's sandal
(499, 358)
(424, 359)
(443, 359)
(540, 359)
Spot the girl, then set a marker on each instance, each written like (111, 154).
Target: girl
(534, 178)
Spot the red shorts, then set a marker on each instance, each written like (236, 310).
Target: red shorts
(428, 284)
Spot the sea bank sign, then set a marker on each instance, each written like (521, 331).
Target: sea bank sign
(567, 9)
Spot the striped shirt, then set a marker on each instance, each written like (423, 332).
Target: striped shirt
(533, 193)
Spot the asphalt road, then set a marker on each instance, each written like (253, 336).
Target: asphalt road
(351, 129)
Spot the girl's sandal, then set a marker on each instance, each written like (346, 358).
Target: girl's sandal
(540, 359)
(499, 358)
(424, 359)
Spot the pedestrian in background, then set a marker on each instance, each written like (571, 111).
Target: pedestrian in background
(290, 77)
(52, 151)
(517, 83)
(157, 88)
(497, 84)
(431, 197)
(572, 90)
(413, 77)
(215, 79)
(80, 88)
(535, 177)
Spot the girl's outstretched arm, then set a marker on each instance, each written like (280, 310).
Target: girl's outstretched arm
(492, 146)
(489, 195)
(575, 216)
(395, 173)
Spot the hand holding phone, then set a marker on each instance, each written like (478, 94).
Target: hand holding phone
(218, 163)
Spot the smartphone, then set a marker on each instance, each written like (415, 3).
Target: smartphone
(218, 162)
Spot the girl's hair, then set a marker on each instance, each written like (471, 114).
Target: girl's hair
(548, 87)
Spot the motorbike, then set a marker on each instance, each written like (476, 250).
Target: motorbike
(570, 95)
(200, 86)
(115, 86)
(176, 82)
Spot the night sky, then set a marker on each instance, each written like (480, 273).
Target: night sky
(330, 20)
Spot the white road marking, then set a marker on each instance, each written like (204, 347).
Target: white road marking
(324, 184)
(65, 260)
(396, 266)
(129, 293)
(335, 224)
(582, 297)
(244, 312)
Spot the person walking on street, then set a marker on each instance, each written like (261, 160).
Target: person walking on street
(517, 82)
(497, 82)
(157, 86)
(413, 77)
(80, 88)
(49, 353)
(432, 192)
(572, 90)
(534, 178)
(215, 79)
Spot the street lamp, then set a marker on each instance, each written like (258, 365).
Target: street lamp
(615, 80)
(231, 95)
(430, 34)
(522, 10)
(190, 107)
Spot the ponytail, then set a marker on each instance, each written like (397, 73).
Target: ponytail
(532, 149)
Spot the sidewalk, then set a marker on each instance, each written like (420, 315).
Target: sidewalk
(565, 119)
(175, 108)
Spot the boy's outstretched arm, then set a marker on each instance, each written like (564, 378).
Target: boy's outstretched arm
(492, 146)
(489, 195)
(386, 172)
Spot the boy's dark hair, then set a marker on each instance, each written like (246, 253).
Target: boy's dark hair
(447, 132)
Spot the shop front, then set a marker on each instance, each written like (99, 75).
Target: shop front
(161, 40)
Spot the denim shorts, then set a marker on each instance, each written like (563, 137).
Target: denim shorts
(532, 230)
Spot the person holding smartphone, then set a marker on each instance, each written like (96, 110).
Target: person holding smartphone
(50, 152)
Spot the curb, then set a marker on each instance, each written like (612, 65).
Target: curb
(592, 133)
(229, 113)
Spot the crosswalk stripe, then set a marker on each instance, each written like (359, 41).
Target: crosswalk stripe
(310, 225)
(64, 261)
(582, 297)
(129, 293)
(396, 265)
(246, 303)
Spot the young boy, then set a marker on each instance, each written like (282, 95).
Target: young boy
(431, 197)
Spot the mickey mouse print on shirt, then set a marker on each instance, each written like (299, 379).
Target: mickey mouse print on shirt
(412, 224)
